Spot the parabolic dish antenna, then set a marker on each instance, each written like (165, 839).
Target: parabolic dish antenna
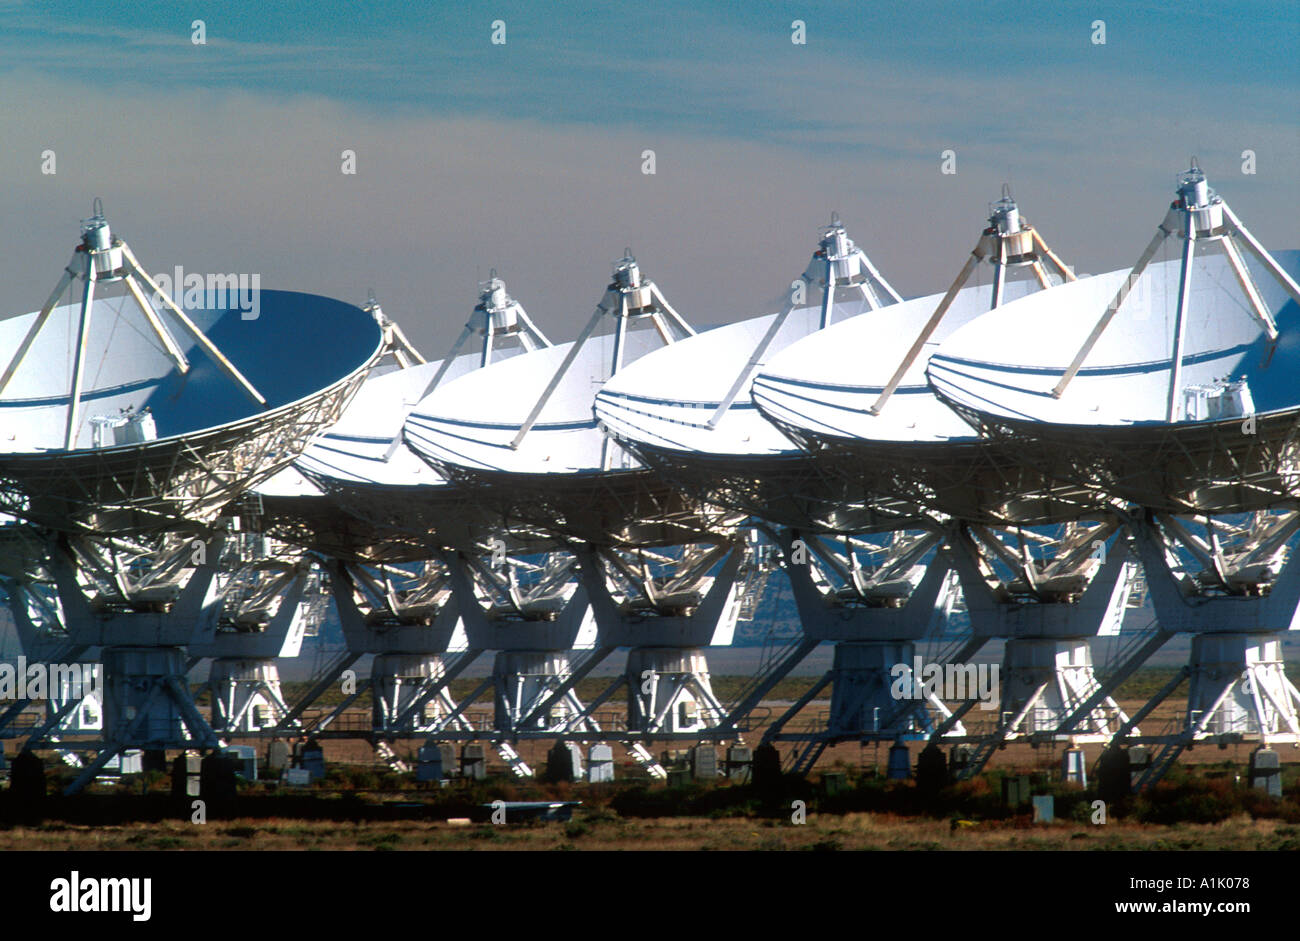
(124, 412)
(1172, 386)
(521, 437)
(358, 493)
(685, 409)
(855, 394)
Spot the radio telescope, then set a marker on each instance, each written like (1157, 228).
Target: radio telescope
(854, 394)
(662, 571)
(131, 432)
(685, 409)
(1170, 386)
(680, 410)
(125, 414)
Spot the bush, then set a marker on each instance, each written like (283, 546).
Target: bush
(352, 777)
(1189, 801)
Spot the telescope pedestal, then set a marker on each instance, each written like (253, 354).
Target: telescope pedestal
(409, 629)
(874, 627)
(147, 700)
(1043, 681)
(667, 621)
(1238, 689)
(397, 684)
(246, 695)
(147, 706)
(1049, 691)
(669, 691)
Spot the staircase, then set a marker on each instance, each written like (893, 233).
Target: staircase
(1168, 755)
(753, 582)
(775, 662)
(389, 757)
(328, 675)
(646, 761)
(1130, 646)
(511, 758)
(804, 760)
(980, 757)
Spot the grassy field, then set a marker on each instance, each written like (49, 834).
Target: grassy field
(363, 808)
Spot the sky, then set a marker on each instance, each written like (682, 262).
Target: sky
(527, 156)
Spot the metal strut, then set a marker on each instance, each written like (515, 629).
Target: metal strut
(1195, 200)
(1005, 225)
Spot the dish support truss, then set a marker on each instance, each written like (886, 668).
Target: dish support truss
(132, 489)
(628, 508)
(794, 490)
(497, 317)
(1009, 241)
(970, 479)
(1187, 468)
(102, 258)
(628, 297)
(837, 264)
(149, 614)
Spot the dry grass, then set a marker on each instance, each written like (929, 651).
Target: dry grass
(605, 831)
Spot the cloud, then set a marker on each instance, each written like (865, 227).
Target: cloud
(750, 161)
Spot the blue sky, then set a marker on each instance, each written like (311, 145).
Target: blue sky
(720, 68)
(527, 156)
